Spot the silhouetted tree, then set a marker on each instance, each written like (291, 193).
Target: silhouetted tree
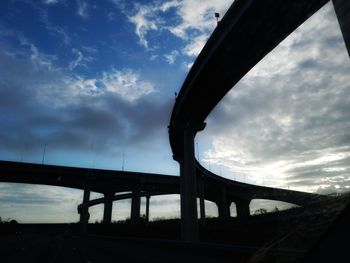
(260, 211)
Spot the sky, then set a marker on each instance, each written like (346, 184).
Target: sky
(93, 84)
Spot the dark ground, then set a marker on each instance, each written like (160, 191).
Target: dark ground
(277, 237)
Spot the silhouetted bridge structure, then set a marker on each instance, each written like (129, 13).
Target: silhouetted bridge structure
(249, 30)
(114, 184)
(247, 33)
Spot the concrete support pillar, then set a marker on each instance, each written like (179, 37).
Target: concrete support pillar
(223, 205)
(84, 212)
(201, 200)
(188, 189)
(135, 205)
(147, 207)
(242, 208)
(342, 10)
(108, 206)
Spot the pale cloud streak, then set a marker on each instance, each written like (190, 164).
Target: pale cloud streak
(82, 9)
(80, 61)
(195, 21)
(50, 2)
(34, 199)
(38, 58)
(127, 84)
(53, 29)
(144, 20)
(171, 57)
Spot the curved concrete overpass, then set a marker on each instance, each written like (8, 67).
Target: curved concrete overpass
(247, 33)
(223, 192)
(111, 183)
(249, 30)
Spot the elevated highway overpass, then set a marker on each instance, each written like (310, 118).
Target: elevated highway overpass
(114, 184)
(249, 30)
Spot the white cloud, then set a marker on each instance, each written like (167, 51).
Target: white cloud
(80, 61)
(81, 86)
(195, 45)
(127, 84)
(170, 58)
(60, 32)
(168, 5)
(153, 57)
(90, 50)
(69, 90)
(83, 9)
(38, 58)
(144, 21)
(187, 65)
(196, 21)
(198, 15)
(50, 2)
